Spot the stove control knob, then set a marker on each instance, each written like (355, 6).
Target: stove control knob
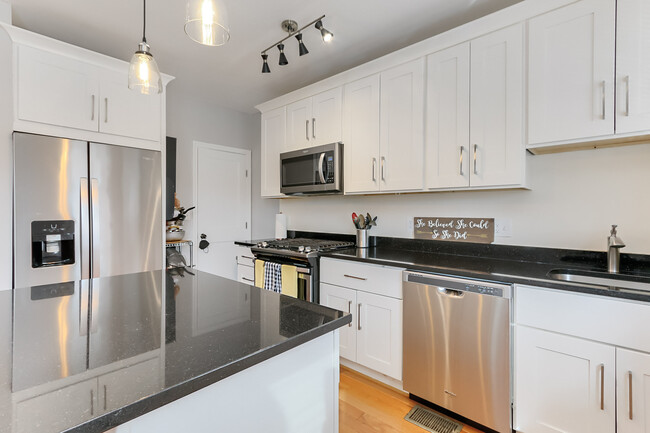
(301, 248)
(264, 244)
(307, 249)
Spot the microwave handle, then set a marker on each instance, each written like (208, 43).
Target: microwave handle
(320, 167)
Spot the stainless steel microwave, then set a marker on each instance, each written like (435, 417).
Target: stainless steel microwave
(316, 170)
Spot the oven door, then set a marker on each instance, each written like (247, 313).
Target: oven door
(312, 171)
(298, 274)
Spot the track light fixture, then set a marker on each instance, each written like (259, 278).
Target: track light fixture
(291, 27)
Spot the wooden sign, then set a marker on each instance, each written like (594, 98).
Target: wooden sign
(477, 230)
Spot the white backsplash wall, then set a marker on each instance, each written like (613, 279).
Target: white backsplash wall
(574, 198)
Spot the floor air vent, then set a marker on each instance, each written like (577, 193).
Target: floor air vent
(431, 421)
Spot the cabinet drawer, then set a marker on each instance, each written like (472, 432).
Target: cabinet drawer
(382, 280)
(244, 256)
(593, 317)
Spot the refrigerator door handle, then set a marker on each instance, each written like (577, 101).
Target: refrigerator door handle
(84, 229)
(94, 213)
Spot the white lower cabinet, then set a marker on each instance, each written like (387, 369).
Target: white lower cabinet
(343, 299)
(633, 388)
(127, 385)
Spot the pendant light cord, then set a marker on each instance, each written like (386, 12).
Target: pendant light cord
(144, 20)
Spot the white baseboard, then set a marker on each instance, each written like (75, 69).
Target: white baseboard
(387, 380)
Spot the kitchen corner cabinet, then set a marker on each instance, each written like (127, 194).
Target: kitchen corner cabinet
(274, 124)
(62, 91)
(372, 294)
(314, 121)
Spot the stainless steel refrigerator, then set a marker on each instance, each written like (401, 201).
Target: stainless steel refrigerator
(84, 210)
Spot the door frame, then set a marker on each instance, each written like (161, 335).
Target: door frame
(196, 145)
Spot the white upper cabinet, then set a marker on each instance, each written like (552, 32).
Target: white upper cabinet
(273, 141)
(361, 135)
(497, 143)
(314, 121)
(571, 72)
(401, 133)
(633, 66)
(447, 144)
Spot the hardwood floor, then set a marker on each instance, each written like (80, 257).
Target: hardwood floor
(367, 406)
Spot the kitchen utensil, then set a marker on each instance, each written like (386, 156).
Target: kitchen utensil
(174, 234)
(354, 219)
(368, 220)
(362, 222)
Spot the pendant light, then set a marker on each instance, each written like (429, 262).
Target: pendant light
(206, 22)
(144, 75)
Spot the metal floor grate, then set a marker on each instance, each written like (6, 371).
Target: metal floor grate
(431, 421)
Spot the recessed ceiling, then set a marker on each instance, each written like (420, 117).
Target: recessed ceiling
(230, 75)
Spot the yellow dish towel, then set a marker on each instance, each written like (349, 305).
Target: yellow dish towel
(259, 273)
(289, 281)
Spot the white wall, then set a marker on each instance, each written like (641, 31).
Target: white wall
(574, 199)
(191, 118)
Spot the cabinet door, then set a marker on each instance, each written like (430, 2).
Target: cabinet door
(57, 90)
(274, 124)
(496, 133)
(361, 135)
(633, 385)
(571, 72)
(379, 333)
(401, 147)
(563, 384)
(326, 117)
(125, 112)
(447, 142)
(343, 299)
(129, 384)
(632, 66)
(299, 118)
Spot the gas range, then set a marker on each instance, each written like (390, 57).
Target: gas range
(304, 248)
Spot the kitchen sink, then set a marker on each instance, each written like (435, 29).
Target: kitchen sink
(613, 281)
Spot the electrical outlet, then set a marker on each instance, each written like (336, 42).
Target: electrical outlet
(503, 227)
(409, 226)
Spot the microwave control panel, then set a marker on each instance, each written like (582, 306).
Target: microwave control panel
(330, 169)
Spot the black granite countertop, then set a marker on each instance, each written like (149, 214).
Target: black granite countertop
(156, 336)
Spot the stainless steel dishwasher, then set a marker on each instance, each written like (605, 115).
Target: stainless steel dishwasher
(457, 346)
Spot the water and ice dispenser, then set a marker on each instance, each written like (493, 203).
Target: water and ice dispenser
(52, 243)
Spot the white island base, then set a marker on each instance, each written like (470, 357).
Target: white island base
(294, 392)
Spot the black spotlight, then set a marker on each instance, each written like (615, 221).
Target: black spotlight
(301, 45)
(283, 58)
(265, 66)
(325, 34)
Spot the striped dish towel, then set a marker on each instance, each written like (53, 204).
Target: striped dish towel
(273, 277)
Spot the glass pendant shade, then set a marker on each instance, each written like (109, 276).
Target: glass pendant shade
(144, 75)
(206, 22)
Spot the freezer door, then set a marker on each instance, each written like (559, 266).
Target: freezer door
(126, 210)
(49, 178)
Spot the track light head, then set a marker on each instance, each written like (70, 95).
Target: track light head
(283, 59)
(302, 49)
(325, 34)
(265, 65)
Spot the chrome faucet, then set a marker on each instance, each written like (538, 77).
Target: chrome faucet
(614, 245)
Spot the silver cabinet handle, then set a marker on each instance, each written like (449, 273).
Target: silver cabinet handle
(92, 402)
(358, 317)
(374, 164)
(307, 129)
(460, 167)
(627, 97)
(602, 386)
(105, 110)
(629, 394)
(475, 152)
(313, 127)
(604, 84)
(92, 114)
(356, 278)
(247, 279)
(248, 257)
(383, 163)
(84, 229)
(104, 397)
(350, 311)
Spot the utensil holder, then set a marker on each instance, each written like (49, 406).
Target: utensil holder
(362, 238)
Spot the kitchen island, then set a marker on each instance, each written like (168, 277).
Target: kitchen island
(166, 351)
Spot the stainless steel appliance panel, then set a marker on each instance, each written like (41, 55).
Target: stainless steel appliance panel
(126, 194)
(313, 170)
(49, 175)
(457, 346)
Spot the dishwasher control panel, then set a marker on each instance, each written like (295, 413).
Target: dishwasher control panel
(484, 290)
(460, 284)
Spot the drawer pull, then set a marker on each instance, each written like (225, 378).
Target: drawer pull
(350, 311)
(358, 317)
(629, 391)
(105, 405)
(247, 257)
(602, 386)
(247, 279)
(356, 278)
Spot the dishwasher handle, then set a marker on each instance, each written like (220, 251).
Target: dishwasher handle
(451, 292)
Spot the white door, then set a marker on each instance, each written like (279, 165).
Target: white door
(223, 206)
(633, 384)
(571, 72)
(299, 119)
(361, 135)
(326, 117)
(496, 109)
(563, 384)
(402, 127)
(343, 299)
(274, 127)
(379, 333)
(632, 66)
(447, 142)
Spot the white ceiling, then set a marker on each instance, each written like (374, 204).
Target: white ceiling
(231, 75)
